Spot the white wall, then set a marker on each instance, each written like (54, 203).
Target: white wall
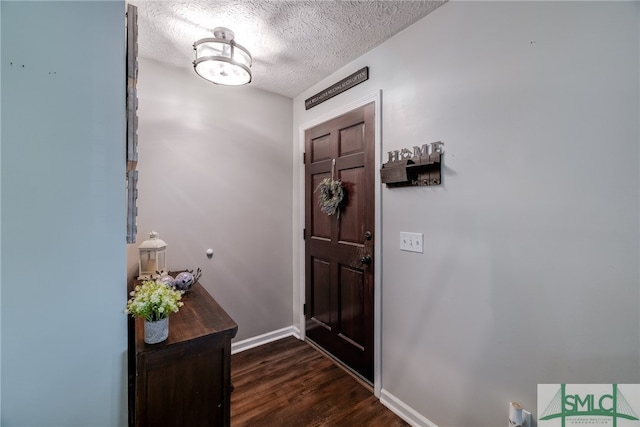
(215, 172)
(530, 270)
(63, 200)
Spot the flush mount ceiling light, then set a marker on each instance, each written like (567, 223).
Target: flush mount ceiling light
(221, 60)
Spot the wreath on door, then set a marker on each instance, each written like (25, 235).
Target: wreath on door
(331, 195)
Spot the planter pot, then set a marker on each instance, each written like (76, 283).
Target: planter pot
(155, 332)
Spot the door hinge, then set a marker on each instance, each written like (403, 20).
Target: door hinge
(304, 234)
(304, 158)
(304, 309)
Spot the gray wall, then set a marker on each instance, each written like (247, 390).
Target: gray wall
(63, 203)
(215, 172)
(530, 270)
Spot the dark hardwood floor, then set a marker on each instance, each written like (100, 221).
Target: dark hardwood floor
(289, 383)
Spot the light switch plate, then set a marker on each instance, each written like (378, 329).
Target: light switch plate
(411, 242)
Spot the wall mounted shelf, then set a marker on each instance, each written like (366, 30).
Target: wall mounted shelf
(416, 171)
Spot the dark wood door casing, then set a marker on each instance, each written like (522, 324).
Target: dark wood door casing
(339, 263)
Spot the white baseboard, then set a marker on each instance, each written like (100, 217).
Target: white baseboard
(403, 410)
(243, 345)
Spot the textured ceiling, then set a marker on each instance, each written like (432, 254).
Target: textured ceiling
(294, 44)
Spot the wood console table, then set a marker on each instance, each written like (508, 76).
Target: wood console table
(185, 380)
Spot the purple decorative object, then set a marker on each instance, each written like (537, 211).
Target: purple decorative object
(184, 281)
(167, 280)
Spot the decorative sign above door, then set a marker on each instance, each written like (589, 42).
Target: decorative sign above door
(420, 166)
(347, 83)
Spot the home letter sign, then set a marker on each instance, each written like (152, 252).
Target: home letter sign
(419, 166)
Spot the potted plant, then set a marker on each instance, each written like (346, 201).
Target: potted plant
(154, 302)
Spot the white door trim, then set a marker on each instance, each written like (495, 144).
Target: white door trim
(376, 98)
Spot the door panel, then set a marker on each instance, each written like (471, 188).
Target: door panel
(352, 139)
(352, 296)
(321, 225)
(320, 148)
(339, 248)
(322, 292)
(352, 221)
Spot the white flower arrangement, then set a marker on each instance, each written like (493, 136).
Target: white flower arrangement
(153, 301)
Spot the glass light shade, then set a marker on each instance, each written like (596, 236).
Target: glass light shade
(222, 61)
(153, 259)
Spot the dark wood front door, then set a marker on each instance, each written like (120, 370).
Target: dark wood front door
(339, 264)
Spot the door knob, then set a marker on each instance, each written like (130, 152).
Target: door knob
(366, 260)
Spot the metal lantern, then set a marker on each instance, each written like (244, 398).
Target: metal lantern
(153, 257)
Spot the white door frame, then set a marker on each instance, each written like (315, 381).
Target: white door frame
(376, 98)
